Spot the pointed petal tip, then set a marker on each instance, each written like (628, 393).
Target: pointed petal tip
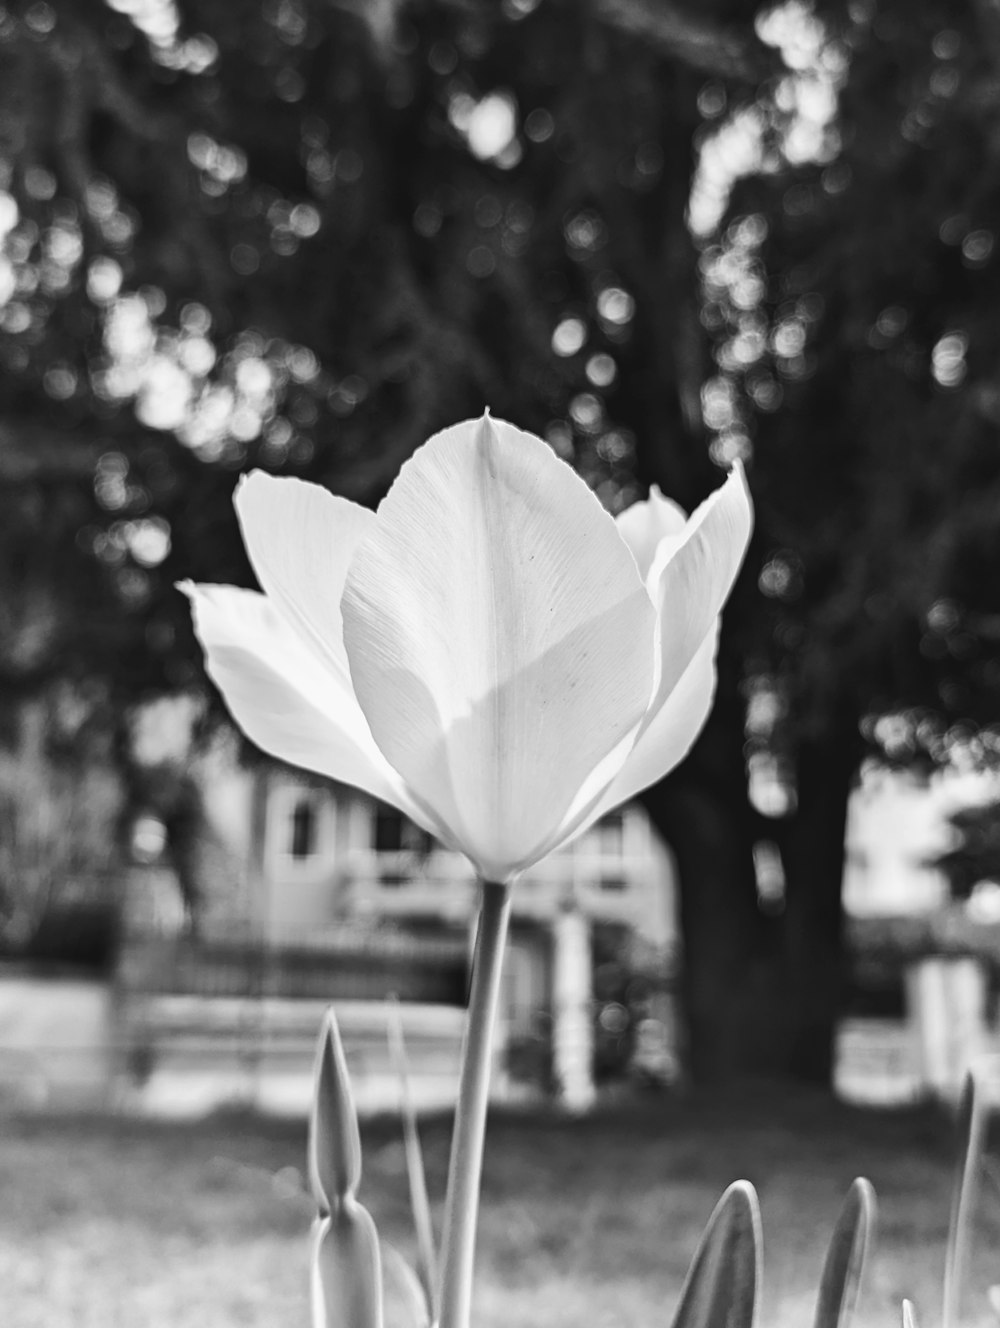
(254, 486)
(255, 481)
(249, 480)
(738, 476)
(202, 593)
(209, 597)
(738, 473)
(728, 513)
(486, 429)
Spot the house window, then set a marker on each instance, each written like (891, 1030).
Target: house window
(389, 828)
(303, 828)
(604, 846)
(611, 834)
(402, 845)
(396, 833)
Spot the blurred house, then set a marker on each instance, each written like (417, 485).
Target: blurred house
(897, 824)
(256, 896)
(60, 816)
(316, 893)
(327, 894)
(924, 966)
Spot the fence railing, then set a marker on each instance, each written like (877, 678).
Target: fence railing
(353, 966)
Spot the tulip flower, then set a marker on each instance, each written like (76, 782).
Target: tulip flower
(490, 651)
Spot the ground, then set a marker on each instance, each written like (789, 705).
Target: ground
(117, 1223)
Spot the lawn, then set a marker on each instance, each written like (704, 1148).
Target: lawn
(131, 1224)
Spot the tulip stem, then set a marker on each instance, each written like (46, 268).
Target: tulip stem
(466, 1165)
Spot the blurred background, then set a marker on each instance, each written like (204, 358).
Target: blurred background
(303, 235)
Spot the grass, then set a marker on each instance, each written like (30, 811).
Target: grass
(117, 1223)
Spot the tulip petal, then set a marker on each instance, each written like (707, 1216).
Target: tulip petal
(689, 583)
(663, 742)
(499, 636)
(301, 539)
(711, 546)
(671, 730)
(645, 524)
(284, 698)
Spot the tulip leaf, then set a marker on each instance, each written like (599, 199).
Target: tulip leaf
(971, 1132)
(346, 1269)
(725, 1273)
(993, 1296)
(419, 1201)
(405, 1297)
(334, 1141)
(845, 1258)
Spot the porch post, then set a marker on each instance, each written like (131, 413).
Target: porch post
(572, 994)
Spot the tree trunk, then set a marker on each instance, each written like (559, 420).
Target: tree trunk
(762, 994)
(813, 853)
(703, 812)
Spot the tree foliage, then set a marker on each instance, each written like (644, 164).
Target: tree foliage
(871, 391)
(302, 236)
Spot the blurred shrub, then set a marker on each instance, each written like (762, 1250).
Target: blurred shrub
(60, 813)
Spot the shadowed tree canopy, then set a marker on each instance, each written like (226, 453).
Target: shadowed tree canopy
(304, 236)
(850, 298)
(868, 377)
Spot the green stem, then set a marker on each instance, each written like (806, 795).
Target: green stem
(973, 1122)
(466, 1165)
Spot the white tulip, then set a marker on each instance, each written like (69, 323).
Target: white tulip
(490, 651)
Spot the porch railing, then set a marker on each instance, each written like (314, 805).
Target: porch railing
(349, 965)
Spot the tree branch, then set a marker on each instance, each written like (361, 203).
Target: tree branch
(696, 41)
